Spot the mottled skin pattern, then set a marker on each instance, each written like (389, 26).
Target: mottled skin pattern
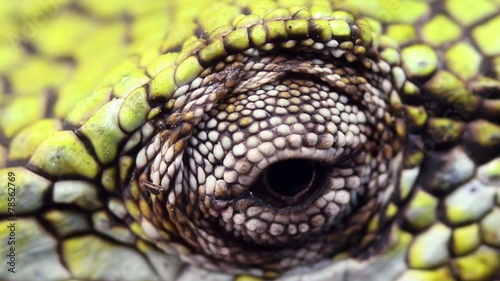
(140, 136)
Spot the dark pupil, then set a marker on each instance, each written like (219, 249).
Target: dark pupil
(289, 177)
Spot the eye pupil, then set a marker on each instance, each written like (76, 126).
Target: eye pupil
(290, 177)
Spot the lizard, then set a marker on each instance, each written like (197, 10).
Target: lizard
(250, 140)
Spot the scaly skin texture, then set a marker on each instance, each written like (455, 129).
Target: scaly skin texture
(142, 140)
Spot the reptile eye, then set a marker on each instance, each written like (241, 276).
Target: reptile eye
(290, 177)
(274, 160)
(287, 183)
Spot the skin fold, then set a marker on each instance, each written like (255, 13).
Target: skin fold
(250, 140)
